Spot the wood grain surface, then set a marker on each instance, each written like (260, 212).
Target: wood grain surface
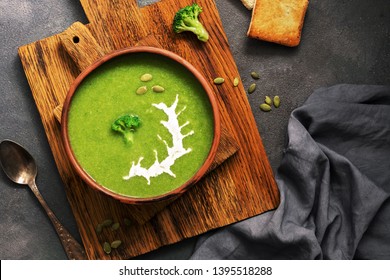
(241, 187)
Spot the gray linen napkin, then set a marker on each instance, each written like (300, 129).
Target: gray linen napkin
(334, 181)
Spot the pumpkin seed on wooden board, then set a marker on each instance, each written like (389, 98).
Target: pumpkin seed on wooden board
(99, 228)
(115, 244)
(219, 81)
(106, 223)
(236, 81)
(115, 226)
(107, 247)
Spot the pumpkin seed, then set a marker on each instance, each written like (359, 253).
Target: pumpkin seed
(99, 228)
(268, 100)
(158, 89)
(265, 107)
(107, 247)
(106, 223)
(236, 81)
(255, 75)
(276, 101)
(252, 88)
(219, 81)
(115, 226)
(127, 222)
(115, 244)
(146, 77)
(141, 90)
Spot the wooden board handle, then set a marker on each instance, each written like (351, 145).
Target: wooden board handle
(80, 44)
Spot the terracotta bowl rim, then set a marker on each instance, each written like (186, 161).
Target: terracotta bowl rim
(129, 199)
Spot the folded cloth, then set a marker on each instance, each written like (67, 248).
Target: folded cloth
(334, 182)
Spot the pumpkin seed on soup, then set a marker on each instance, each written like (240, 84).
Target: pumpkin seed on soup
(141, 90)
(146, 77)
(158, 89)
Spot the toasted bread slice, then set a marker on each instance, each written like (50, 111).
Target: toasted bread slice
(248, 3)
(278, 21)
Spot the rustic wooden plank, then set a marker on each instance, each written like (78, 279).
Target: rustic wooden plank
(241, 187)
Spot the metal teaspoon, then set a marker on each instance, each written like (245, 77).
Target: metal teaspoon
(20, 167)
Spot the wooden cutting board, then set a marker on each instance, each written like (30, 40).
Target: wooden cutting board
(240, 187)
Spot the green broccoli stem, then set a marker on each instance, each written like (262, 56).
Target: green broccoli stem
(203, 35)
(197, 27)
(128, 136)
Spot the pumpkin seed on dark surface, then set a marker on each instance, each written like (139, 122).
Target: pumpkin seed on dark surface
(265, 107)
(252, 88)
(255, 75)
(276, 101)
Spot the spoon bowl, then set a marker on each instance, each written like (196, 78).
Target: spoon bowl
(19, 166)
(17, 163)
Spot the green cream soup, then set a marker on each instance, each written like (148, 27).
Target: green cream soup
(175, 132)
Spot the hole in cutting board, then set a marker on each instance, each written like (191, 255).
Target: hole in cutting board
(144, 3)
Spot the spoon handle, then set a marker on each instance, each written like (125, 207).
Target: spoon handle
(73, 249)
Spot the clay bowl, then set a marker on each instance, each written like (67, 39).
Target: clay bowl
(173, 194)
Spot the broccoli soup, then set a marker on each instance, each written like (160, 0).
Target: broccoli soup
(140, 125)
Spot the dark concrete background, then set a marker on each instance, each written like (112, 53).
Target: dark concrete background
(343, 41)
